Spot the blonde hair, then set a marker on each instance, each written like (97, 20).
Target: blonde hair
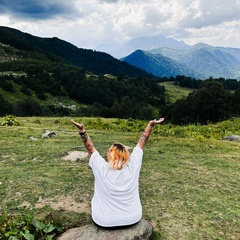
(118, 156)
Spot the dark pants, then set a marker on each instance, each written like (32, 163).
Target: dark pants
(116, 227)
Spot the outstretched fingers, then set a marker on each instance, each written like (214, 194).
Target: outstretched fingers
(153, 122)
(78, 125)
(159, 121)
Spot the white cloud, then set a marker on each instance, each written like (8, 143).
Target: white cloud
(203, 13)
(223, 35)
(88, 23)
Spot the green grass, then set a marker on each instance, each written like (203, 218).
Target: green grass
(189, 182)
(173, 93)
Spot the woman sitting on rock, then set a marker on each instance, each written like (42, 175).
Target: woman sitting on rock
(116, 202)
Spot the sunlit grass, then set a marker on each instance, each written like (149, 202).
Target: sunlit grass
(174, 93)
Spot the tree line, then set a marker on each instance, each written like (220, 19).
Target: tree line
(98, 95)
(211, 100)
(189, 82)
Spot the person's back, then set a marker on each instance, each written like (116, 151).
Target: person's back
(116, 201)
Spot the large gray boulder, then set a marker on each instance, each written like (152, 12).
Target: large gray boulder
(232, 138)
(140, 231)
(48, 134)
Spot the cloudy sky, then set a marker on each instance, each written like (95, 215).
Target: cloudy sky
(89, 23)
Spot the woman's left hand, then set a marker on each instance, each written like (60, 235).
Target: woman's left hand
(78, 125)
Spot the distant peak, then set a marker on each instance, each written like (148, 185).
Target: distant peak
(199, 45)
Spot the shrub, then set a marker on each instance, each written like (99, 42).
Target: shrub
(28, 107)
(9, 120)
(23, 225)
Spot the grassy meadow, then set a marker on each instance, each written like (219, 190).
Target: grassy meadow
(174, 92)
(189, 182)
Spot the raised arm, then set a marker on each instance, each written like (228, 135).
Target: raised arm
(85, 138)
(146, 133)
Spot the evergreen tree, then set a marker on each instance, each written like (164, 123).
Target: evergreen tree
(236, 102)
(5, 106)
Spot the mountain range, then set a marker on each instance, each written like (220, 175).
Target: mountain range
(145, 56)
(169, 57)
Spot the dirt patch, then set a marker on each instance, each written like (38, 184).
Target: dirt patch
(25, 204)
(65, 203)
(73, 156)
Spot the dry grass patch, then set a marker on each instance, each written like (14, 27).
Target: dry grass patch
(66, 203)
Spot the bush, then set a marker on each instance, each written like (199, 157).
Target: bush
(9, 120)
(32, 225)
(7, 85)
(28, 107)
(23, 225)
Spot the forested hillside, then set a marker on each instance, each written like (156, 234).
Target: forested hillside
(159, 65)
(34, 81)
(93, 61)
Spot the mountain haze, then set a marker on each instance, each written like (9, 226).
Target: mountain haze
(141, 43)
(235, 52)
